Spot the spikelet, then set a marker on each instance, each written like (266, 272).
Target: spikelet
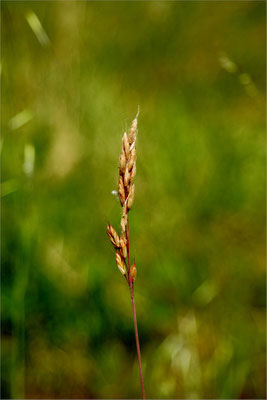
(130, 197)
(132, 132)
(122, 163)
(132, 159)
(123, 246)
(133, 172)
(126, 145)
(133, 272)
(113, 236)
(121, 190)
(120, 263)
(127, 177)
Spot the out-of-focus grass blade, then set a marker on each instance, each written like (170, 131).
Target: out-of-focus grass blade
(244, 78)
(227, 64)
(9, 186)
(205, 293)
(20, 119)
(1, 144)
(37, 28)
(29, 158)
(246, 81)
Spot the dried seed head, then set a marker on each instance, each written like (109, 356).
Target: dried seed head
(121, 191)
(120, 263)
(126, 195)
(133, 272)
(113, 236)
(130, 197)
(126, 145)
(123, 246)
(132, 159)
(126, 177)
(122, 162)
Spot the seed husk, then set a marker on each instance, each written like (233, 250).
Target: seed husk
(113, 236)
(120, 263)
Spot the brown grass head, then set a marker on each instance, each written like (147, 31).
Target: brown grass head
(127, 171)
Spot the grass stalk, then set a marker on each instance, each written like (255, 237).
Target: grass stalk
(121, 243)
(134, 314)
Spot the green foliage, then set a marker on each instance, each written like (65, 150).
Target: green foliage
(73, 75)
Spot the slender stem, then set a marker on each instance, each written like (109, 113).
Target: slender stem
(134, 311)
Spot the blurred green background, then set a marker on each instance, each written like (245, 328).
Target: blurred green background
(73, 75)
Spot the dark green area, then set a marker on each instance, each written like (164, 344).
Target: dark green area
(69, 90)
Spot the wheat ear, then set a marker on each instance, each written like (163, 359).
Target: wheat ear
(121, 244)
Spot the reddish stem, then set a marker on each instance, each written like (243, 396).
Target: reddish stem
(134, 311)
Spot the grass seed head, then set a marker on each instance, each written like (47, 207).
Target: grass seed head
(126, 195)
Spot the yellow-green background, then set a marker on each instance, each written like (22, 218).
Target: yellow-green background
(73, 75)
